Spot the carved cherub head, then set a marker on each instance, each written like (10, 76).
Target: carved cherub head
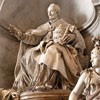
(95, 57)
(53, 11)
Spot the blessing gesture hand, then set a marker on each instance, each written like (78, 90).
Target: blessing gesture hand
(14, 31)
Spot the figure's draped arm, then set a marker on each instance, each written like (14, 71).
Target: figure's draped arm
(78, 88)
(31, 39)
(34, 36)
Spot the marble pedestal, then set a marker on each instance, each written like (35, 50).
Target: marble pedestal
(45, 95)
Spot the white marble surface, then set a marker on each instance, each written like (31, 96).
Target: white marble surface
(27, 14)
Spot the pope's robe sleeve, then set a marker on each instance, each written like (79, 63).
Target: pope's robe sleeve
(33, 37)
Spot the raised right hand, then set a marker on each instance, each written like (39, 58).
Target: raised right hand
(14, 31)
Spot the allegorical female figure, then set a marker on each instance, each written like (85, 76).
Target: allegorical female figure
(89, 82)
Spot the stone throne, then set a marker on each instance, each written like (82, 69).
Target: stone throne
(30, 14)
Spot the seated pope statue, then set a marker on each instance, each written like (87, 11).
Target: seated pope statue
(48, 55)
